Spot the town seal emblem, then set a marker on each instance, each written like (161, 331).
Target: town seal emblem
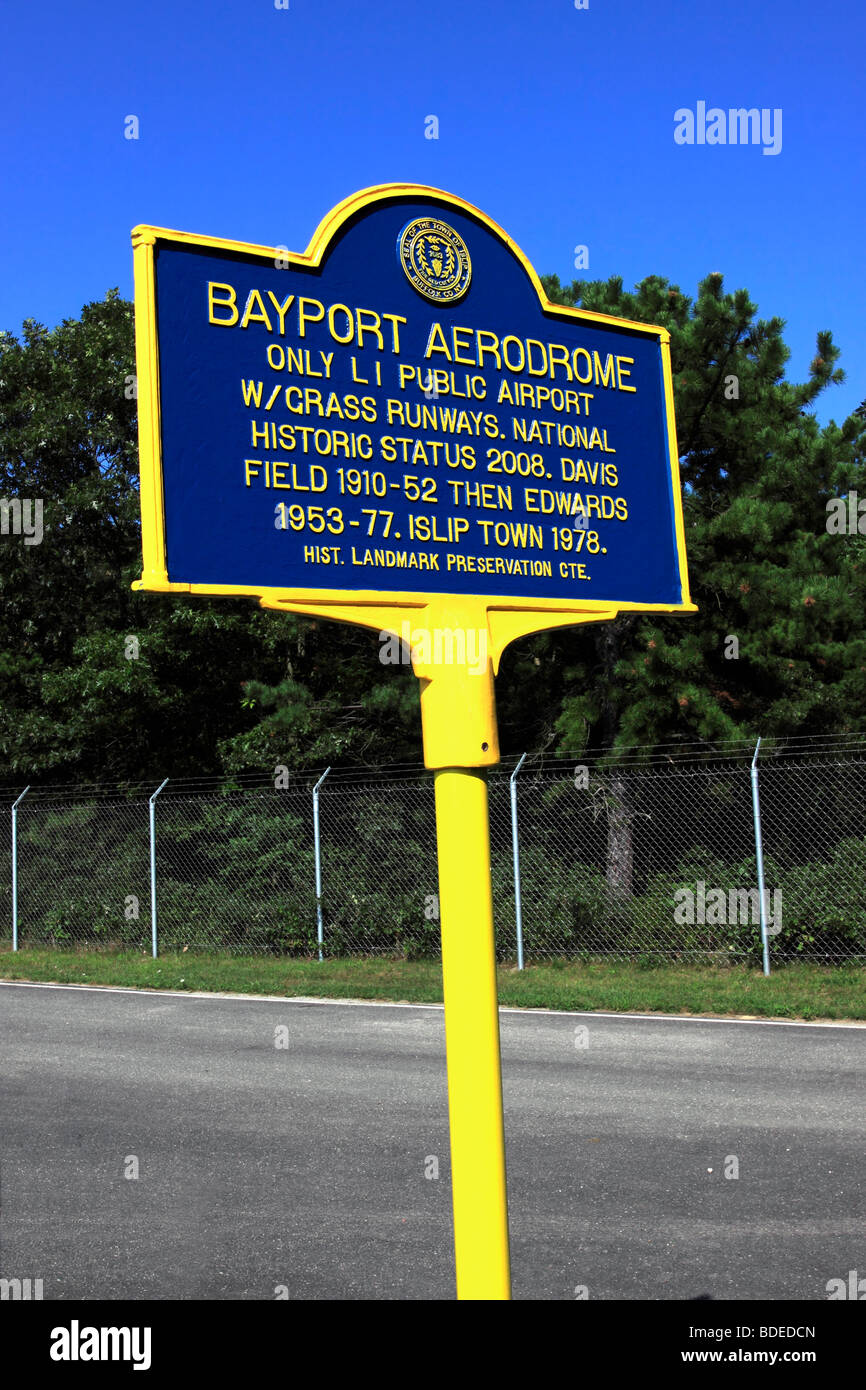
(435, 259)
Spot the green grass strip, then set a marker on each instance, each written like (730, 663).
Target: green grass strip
(800, 990)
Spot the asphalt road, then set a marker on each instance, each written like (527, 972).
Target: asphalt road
(303, 1165)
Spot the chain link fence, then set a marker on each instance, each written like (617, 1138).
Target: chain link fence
(631, 860)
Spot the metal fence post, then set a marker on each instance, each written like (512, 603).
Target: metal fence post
(759, 855)
(15, 867)
(318, 852)
(152, 815)
(518, 906)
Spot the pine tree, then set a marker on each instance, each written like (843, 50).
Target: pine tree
(99, 682)
(778, 645)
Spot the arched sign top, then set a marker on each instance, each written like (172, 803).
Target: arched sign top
(344, 213)
(399, 419)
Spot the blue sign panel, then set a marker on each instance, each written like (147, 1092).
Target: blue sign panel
(407, 414)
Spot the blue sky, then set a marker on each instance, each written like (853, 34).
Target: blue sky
(555, 121)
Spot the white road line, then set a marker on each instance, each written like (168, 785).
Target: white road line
(390, 1004)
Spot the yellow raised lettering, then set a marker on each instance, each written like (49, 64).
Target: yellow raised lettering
(394, 319)
(491, 346)
(341, 309)
(461, 346)
(581, 352)
(436, 342)
(260, 315)
(603, 374)
(621, 372)
(558, 356)
(522, 360)
(227, 302)
(282, 309)
(536, 371)
(304, 317)
(374, 327)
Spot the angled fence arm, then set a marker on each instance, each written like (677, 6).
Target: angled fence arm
(317, 845)
(152, 816)
(518, 906)
(15, 806)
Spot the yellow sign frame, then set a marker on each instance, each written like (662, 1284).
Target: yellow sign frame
(502, 619)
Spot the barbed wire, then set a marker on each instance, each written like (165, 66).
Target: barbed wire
(803, 747)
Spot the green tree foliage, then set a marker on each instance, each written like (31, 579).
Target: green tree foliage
(220, 685)
(757, 470)
(206, 685)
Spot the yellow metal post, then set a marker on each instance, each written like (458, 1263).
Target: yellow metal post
(472, 1036)
(458, 714)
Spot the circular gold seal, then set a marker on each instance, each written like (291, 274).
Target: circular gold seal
(435, 259)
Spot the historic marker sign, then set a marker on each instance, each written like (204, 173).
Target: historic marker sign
(399, 413)
(399, 423)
